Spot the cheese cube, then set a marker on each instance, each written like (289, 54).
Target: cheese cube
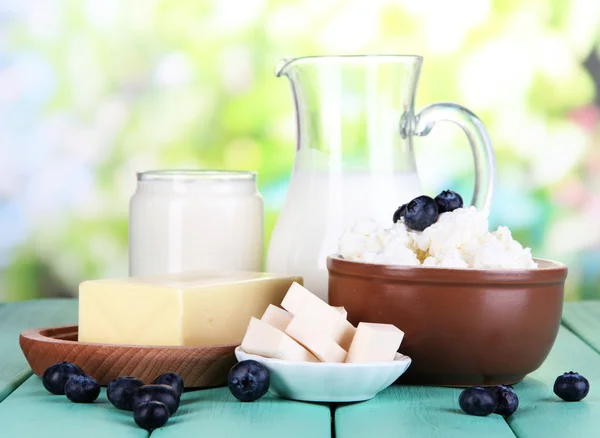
(276, 317)
(374, 343)
(330, 321)
(344, 334)
(300, 301)
(342, 311)
(310, 336)
(265, 340)
(196, 308)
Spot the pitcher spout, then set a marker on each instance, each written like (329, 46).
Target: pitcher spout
(282, 67)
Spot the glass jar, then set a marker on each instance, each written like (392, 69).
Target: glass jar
(184, 220)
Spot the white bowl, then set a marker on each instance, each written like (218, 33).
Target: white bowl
(329, 382)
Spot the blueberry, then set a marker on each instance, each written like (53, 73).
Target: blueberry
(248, 380)
(420, 213)
(399, 213)
(56, 376)
(507, 400)
(448, 201)
(82, 389)
(477, 401)
(571, 386)
(120, 392)
(163, 393)
(151, 415)
(170, 379)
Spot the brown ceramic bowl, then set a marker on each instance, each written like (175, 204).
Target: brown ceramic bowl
(462, 326)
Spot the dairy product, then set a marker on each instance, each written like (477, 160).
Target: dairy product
(344, 333)
(374, 343)
(300, 301)
(265, 340)
(322, 330)
(320, 206)
(276, 317)
(342, 311)
(459, 239)
(183, 221)
(196, 308)
(303, 330)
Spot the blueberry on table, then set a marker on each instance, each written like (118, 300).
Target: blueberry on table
(171, 379)
(477, 401)
(162, 393)
(571, 386)
(420, 213)
(55, 376)
(448, 201)
(248, 380)
(82, 389)
(151, 415)
(507, 400)
(120, 391)
(399, 213)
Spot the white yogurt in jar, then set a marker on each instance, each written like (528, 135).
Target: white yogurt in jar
(195, 220)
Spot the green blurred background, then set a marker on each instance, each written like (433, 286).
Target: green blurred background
(93, 91)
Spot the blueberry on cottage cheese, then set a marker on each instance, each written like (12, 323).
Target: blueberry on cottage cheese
(448, 201)
(399, 213)
(571, 386)
(420, 213)
(82, 389)
(163, 393)
(171, 379)
(248, 380)
(477, 401)
(507, 400)
(120, 391)
(55, 376)
(151, 415)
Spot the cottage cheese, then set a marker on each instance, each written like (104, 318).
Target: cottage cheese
(459, 239)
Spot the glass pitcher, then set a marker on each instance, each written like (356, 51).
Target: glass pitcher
(354, 154)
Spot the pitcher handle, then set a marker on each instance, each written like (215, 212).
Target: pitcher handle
(481, 145)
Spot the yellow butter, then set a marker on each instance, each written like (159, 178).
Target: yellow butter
(199, 308)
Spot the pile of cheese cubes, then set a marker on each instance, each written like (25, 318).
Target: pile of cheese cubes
(308, 329)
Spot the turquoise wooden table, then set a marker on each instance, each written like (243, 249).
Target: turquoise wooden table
(27, 410)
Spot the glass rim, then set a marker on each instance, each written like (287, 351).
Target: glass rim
(195, 174)
(283, 64)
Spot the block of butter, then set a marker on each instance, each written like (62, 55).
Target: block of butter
(196, 308)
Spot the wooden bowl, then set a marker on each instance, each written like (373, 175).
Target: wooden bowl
(198, 366)
(462, 327)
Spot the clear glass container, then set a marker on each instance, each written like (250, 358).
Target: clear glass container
(356, 122)
(184, 220)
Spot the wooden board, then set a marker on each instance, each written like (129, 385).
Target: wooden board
(583, 319)
(16, 317)
(32, 412)
(415, 411)
(216, 413)
(541, 413)
(198, 366)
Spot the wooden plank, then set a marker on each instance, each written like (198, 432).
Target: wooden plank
(16, 317)
(31, 411)
(541, 413)
(216, 413)
(583, 319)
(415, 411)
